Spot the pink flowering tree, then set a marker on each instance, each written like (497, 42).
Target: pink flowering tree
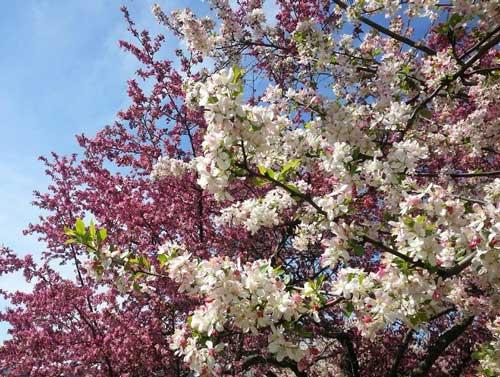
(314, 191)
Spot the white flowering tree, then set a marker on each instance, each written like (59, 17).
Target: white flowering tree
(354, 146)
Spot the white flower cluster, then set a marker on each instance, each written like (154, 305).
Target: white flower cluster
(483, 232)
(197, 32)
(438, 67)
(313, 46)
(415, 8)
(283, 348)
(336, 158)
(404, 156)
(437, 229)
(396, 116)
(231, 128)
(254, 214)
(336, 247)
(221, 97)
(244, 297)
(256, 19)
(379, 299)
(492, 191)
(169, 167)
(200, 358)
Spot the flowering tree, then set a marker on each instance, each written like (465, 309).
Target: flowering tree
(314, 195)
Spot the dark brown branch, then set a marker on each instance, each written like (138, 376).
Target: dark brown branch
(439, 346)
(488, 36)
(393, 372)
(406, 258)
(388, 32)
(458, 268)
(445, 273)
(471, 200)
(352, 365)
(495, 173)
(447, 81)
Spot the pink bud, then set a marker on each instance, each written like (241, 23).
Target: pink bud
(296, 298)
(414, 201)
(436, 295)
(367, 319)
(474, 242)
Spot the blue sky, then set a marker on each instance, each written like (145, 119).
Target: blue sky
(61, 74)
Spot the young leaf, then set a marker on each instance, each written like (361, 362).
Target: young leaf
(80, 227)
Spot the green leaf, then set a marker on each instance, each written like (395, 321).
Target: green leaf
(406, 69)
(408, 221)
(102, 234)
(443, 29)
(92, 230)
(349, 309)
(162, 259)
(478, 355)
(287, 279)
(237, 74)
(144, 261)
(421, 219)
(403, 265)
(263, 267)
(279, 271)
(290, 166)
(357, 248)
(294, 190)
(298, 37)
(262, 169)
(455, 19)
(137, 275)
(272, 174)
(80, 227)
(419, 317)
(69, 231)
(259, 182)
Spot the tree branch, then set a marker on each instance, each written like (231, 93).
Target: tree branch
(446, 82)
(458, 268)
(393, 372)
(488, 36)
(441, 344)
(388, 32)
(445, 273)
(351, 357)
(406, 258)
(494, 173)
